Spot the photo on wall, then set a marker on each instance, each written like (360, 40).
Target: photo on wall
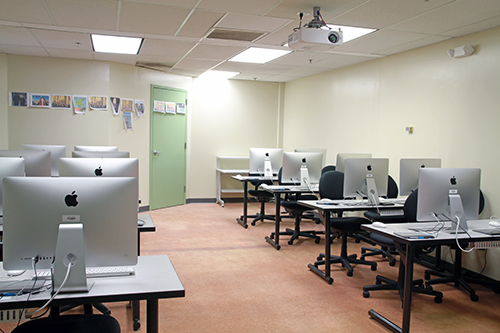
(18, 98)
(139, 107)
(180, 108)
(127, 120)
(80, 104)
(169, 107)
(61, 102)
(115, 105)
(98, 103)
(40, 100)
(127, 105)
(159, 106)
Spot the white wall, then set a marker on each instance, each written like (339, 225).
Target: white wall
(453, 105)
(4, 101)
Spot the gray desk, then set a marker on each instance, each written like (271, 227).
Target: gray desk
(325, 212)
(155, 278)
(407, 257)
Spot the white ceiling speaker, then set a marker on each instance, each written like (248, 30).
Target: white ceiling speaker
(462, 51)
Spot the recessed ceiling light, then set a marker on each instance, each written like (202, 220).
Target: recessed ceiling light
(350, 33)
(116, 44)
(258, 55)
(218, 75)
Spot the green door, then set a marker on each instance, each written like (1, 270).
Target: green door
(168, 149)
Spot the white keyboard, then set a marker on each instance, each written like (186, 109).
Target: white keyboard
(390, 212)
(93, 272)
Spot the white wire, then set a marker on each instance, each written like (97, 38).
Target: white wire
(456, 237)
(55, 294)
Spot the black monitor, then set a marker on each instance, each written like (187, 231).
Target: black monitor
(56, 152)
(409, 169)
(37, 163)
(259, 157)
(449, 194)
(50, 219)
(302, 169)
(366, 177)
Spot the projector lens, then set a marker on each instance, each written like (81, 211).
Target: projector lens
(333, 37)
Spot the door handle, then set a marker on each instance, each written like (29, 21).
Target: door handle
(155, 152)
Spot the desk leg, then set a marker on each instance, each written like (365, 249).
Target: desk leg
(276, 241)
(152, 316)
(325, 215)
(136, 305)
(243, 219)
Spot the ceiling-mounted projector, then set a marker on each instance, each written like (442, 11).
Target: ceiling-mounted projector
(314, 38)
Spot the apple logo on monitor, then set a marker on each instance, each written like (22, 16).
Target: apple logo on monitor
(453, 180)
(422, 166)
(369, 167)
(70, 199)
(98, 171)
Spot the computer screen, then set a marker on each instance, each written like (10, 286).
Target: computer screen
(10, 167)
(96, 148)
(313, 150)
(409, 169)
(340, 164)
(438, 189)
(100, 154)
(257, 157)
(366, 177)
(56, 152)
(293, 162)
(99, 167)
(37, 163)
(34, 207)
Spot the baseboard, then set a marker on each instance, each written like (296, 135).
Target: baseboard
(144, 209)
(201, 200)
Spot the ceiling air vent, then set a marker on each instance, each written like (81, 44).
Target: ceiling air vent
(239, 35)
(157, 66)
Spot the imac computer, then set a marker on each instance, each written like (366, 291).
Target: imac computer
(449, 194)
(302, 169)
(340, 164)
(10, 167)
(56, 152)
(100, 154)
(89, 222)
(366, 177)
(409, 169)
(96, 148)
(37, 163)
(99, 167)
(313, 150)
(265, 161)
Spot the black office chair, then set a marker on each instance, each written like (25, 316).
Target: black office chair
(384, 283)
(79, 323)
(262, 197)
(331, 186)
(327, 168)
(456, 276)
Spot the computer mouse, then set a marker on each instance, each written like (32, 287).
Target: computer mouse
(494, 224)
(379, 224)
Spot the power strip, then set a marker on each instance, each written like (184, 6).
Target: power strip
(485, 244)
(13, 315)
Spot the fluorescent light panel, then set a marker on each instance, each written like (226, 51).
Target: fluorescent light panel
(218, 75)
(350, 33)
(256, 55)
(116, 44)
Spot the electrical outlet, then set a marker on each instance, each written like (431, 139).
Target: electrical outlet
(13, 315)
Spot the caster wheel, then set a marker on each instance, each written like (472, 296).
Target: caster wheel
(428, 286)
(272, 236)
(349, 273)
(253, 223)
(438, 299)
(136, 325)
(378, 282)
(374, 267)
(474, 298)
(363, 251)
(366, 294)
(317, 240)
(319, 258)
(427, 276)
(290, 242)
(392, 263)
(278, 247)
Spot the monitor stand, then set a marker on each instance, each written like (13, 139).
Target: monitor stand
(70, 250)
(268, 168)
(457, 214)
(304, 177)
(371, 190)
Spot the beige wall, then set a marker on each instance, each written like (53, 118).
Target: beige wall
(453, 105)
(4, 101)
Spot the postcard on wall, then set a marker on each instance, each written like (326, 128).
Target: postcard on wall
(127, 120)
(40, 100)
(159, 106)
(169, 107)
(98, 103)
(18, 98)
(115, 105)
(61, 102)
(180, 108)
(139, 107)
(127, 104)
(80, 104)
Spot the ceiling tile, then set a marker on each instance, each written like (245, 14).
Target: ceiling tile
(255, 7)
(252, 23)
(215, 52)
(72, 54)
(199, 23)
(63, 40)
(24, 11)
(380, 40)
(413, 45)
(113, 57)
(94, 14)
(474, 27)
(328, 9)
(172, 48)
(17, 36)
(197, 64)
(24, 50)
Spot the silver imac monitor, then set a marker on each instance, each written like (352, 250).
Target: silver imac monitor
(366, 177)
(313, 150)
(99, 167)
(409, 169)
(302, 169)
(259, 158)
(340, 164)
(449, 194)
(100, 154)
(37, 163)
(56, 152)
(96, 148)
(36, 207)
(10, 167)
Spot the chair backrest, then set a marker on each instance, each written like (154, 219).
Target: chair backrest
(258, 182)
(392, 188)
(328, 168)
(331, 185)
